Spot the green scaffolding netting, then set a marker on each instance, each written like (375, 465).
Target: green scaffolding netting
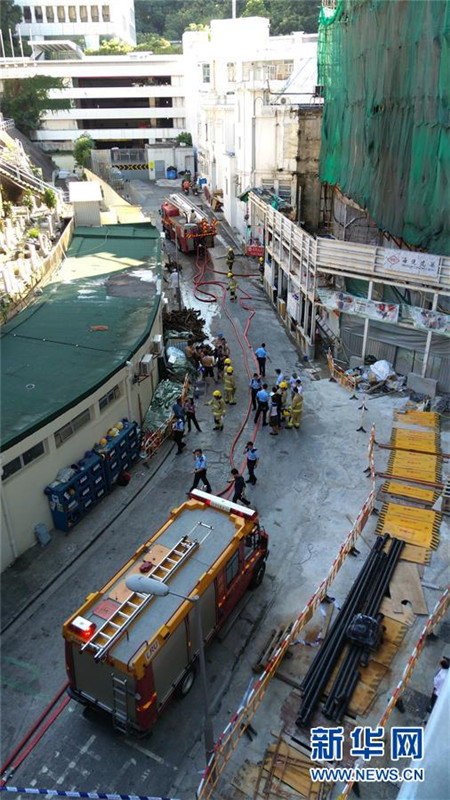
(385, 137)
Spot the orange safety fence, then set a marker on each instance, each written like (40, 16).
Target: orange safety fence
(435, 616)
(229, 738)
(338, 374)
(151, 441)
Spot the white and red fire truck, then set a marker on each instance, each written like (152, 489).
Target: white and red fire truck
(127, 652)
(186, 224)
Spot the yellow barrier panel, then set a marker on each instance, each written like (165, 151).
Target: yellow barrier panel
(338, 375)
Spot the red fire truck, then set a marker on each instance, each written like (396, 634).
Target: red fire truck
(128, 652)
(186, 224)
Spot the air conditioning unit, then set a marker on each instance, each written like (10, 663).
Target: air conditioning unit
(145, 365)
(157, 345)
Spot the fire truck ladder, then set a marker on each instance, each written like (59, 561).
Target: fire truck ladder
(120, 704)
(113, 628)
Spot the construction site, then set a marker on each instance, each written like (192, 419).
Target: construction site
(167, 638)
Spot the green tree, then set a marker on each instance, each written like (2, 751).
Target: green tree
(82, 149)
(50, 199)
(155, 44)
(27, 99)
(255, 8)
(111, 47)
(184, 137)
(10, 16)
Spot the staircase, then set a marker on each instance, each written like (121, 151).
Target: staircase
(330, 338)
(25, 180)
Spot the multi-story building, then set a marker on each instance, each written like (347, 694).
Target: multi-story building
(121, 101)
(72, 18)
(245, 92)
(376, 281)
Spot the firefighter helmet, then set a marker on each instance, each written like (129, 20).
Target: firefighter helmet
(230, 274)
(230, 250)
(227, 361)
(283, 385)
(217, 393)
(230, 370)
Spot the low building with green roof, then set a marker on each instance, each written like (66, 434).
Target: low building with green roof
(70, 366)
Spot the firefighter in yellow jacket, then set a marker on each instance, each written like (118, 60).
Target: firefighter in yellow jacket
(232, 287)
(229, 384)
(296, 409)
(218, 410)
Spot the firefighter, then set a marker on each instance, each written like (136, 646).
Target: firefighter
(283, 386)
(229, 384)
(230, 259)
(232, 287)
(261, 267)
(295, 410)
(218, 410)
(227, 362)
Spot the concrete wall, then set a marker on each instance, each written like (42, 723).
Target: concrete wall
(351, 223)
(87, 213)
(23, 499)
(309, 133)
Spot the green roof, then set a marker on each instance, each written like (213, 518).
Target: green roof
(51, 356)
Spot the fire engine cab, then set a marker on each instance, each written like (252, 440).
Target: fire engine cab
(186, 224)
(127, 652)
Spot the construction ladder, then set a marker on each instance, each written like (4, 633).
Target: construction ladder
(123, 616)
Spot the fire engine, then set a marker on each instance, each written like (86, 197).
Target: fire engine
(128, 652)
(185, 224)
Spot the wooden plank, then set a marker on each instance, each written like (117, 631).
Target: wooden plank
(404, 615)
(406, 585)
(385, 653)
(394, 631)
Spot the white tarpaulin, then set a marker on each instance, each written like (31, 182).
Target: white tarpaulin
(423, 264)
(292, 305)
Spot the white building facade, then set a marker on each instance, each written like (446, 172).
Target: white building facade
(68, 18)
(120, 101)
(242, 95)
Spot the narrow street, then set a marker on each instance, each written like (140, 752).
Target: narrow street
(310, 487)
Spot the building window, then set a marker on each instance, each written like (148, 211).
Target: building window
(27, 14)
(94, 13)
(72, 14)
(38, 15)
(231, 70)
(49, 14)
(105, 14)
(61, 12)
(109, 398)
(232, 568)
(206, 73)
(72, 427)
(281, 70)
(83, 14)
(22, 461)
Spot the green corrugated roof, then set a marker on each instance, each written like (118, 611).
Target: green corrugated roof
(51, 358)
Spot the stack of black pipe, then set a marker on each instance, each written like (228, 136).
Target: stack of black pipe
(365, 597)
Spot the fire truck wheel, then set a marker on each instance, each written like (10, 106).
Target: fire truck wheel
(186, 684)
(258, 575)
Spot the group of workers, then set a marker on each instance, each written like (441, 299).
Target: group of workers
(232, 286)
(284, 403)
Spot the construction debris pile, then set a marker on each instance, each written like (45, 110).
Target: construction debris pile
(185, 324)
(379, 377)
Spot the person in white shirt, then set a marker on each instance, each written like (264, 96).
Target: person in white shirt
(439, 680)
(280, 377)
(174, 284)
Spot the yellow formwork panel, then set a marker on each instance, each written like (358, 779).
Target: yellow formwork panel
(415, 440)
(417, 526)
(426, 419)
(415, 465)
(411, 492)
